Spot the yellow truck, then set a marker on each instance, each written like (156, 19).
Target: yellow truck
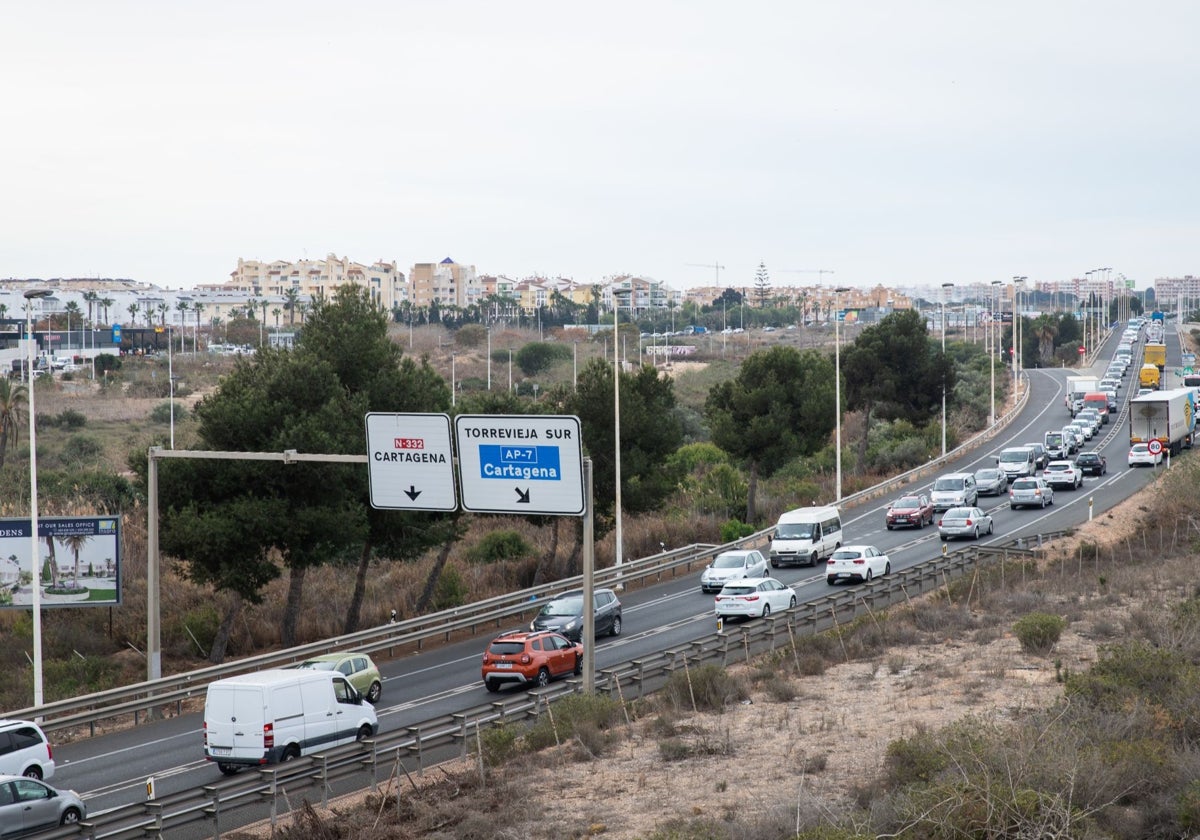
(1156, 354)
(1148, 376)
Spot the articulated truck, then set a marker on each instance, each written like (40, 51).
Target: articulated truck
(1078, 388)
(1166, 416)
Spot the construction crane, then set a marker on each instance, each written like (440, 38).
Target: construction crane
(817, 271)
(714, 266)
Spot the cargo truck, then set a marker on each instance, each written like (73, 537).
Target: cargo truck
(1156, 354)
(1166, 416)
(1078, 388)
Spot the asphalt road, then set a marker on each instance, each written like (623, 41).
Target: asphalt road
(112, 769)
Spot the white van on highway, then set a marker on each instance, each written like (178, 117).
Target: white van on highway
(806, 535)
(278, 715)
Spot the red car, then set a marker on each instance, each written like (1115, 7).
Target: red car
(915, 511)
(530, 658)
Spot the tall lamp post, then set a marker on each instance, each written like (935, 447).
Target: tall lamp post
(837, 386)
(992, 346)
(946, 287)
(34, 566)
(618, 541)
(1018, 356)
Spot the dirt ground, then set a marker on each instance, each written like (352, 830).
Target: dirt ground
(829, 739)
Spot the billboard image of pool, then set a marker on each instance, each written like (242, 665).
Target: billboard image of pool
(79, 560)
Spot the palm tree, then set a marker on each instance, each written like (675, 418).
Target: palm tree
(290, 299)
(276, 312)
(90, 298)
(75, 543)
(104, 303)
(133, 310)
(13, 398)
(1046, 332)
(163, 309)
(3, 309)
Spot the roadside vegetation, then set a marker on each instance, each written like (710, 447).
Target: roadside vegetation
(250, 551)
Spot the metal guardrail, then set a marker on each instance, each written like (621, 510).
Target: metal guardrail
(245, 797)
(146, 696)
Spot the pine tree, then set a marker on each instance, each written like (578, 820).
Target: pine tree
(762, 286)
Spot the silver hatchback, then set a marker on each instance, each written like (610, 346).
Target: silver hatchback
(1030, 492)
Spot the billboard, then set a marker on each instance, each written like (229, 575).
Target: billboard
(79, 558)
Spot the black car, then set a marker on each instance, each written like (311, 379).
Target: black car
(564, 614)
(1091, 463)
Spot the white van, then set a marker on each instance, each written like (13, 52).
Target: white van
(278, 715)
(806, 535)
(1017, 462)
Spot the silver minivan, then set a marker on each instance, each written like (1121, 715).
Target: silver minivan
(954, 490)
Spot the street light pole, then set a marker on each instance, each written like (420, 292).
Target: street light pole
(34, 566)
(946, 287)
(1018, 356)
(992, 347)
(617, 534)
(837, 386)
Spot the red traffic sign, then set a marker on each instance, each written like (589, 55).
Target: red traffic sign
(1155, 447)
(1082, 350)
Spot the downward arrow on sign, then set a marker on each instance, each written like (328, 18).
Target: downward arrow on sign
(522, 496)
(412, 492)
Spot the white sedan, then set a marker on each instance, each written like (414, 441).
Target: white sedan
(733, 565)
(751, 597)
(856, 562)
(1139, 454)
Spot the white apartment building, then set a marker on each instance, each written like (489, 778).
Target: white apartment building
(311, 279)
(447, 283)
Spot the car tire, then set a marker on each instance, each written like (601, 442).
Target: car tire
(615, 630)
(975, 533)
(364, 732)
(766, 610)
(288, 754)
(889, 527)
(227, 769)
(1043, 502)
(991, 528)
(887, 568)
(374, 692)
(70, 817)
(830, 580)
(944, 537)
(491, 685)
(813, 559)
(792, 603)
(542, 679)
(869, 576)
(33, 772)
(578, 665)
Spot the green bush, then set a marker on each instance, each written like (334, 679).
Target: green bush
(916, 759)
(1038, 633)
(538, 356)
(71, 419)
(500, 545)
(161, 413)
(82, 450)
(735, 529)
(498, 744)
(471, 335)
(451, 590)
(588, 717)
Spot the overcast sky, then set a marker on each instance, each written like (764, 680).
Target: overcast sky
(896, 143)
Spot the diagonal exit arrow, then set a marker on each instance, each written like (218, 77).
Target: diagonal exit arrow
(522, 496)
(412, 492)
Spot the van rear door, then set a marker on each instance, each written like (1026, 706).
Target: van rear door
(233, 722)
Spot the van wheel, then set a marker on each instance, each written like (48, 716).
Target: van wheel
(291, 752)
(364, 732)
(228, 769)
(374, 693)
(33, 772)
(813, 558)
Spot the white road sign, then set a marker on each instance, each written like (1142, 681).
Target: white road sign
(410, 462)
(520, 463)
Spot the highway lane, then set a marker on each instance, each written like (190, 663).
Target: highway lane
(111, 769)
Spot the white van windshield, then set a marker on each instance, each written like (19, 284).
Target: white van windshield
(948, 484)
(1014, 456)
(794, 531)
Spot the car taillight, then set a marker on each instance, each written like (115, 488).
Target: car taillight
(525, 660)
(268, 736)
(968, 521)
(749, 597)
(859, 561)
(1037, 492)
(205, 726)
(940, 521)
(49, 752)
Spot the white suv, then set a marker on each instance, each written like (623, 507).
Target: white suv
(24, 750)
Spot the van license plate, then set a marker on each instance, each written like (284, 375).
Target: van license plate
(220, 750)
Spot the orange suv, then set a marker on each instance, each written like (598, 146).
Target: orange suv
(530, 657)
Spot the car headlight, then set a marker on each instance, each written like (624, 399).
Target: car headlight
(570, 625)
